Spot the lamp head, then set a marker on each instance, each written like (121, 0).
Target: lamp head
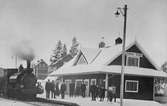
(117, 13)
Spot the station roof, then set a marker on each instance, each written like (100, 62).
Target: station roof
(98, 60)
(113, 69)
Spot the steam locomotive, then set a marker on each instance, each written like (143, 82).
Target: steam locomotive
(20, 83)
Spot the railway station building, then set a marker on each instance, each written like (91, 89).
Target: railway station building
(103, 66)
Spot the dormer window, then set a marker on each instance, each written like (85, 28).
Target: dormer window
(133, 59)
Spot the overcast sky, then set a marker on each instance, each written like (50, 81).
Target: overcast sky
(43, 22)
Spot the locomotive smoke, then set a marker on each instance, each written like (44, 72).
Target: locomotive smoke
(24, 51)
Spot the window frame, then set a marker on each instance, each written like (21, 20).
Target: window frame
(137, 57)
(132, 81)
(91, 81)
(77, 80)
(68, 81)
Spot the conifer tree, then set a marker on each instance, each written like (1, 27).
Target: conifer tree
(74, 47)
(57, 52)
(64, 50)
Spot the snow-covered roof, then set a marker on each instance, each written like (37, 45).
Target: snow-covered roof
(107, 54)
(66, 65)
(114, 69)
(98, 60)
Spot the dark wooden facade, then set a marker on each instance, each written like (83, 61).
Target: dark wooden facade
(144, 62)
(145, 89)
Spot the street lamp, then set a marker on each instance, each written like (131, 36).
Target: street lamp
(123, 12)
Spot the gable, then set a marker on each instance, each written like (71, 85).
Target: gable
(81, 59)
(144, 61)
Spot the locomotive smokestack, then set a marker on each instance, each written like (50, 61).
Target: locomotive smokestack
(28, 64)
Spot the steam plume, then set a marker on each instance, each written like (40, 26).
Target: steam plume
(23, 50)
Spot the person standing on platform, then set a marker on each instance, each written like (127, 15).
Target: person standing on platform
(52, 85)
(72, 88)
(57, 91)
(101, 93)
(47, 89)
(110, 94)
(93, 91)
(62, 90)
(114, 92)
(83, 89)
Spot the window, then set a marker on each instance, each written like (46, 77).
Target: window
(131, 86)
(86, 82)
(133, 59)
(78, 82)
(67, 81)
(93, 81)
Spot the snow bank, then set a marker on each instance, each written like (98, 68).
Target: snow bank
(6, 102)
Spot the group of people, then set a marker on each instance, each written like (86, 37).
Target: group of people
(99, 92)
(78, 90)
(55, 88)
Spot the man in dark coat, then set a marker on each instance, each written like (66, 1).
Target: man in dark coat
(110, 94)
(47, 89)
(93, 91)
(62, 90)
(78, 90)
(52, 89)
(57, 91)
(114, 93)
(83, 89)
(101, 93)
(72, 88)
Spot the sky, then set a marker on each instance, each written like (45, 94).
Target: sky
(41, 23)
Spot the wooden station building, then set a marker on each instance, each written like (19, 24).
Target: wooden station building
(103, 66)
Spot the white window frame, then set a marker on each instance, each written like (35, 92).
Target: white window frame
(77, 81)
(91, 81)
(67, 81)
(127, 63)
(87, 81)
(132, 81)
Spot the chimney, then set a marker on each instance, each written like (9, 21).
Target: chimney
(118, 41)
(102, 44)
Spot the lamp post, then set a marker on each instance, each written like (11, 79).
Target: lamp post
(123, 12)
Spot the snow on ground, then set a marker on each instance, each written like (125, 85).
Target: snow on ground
(7, 102)
(127, 102)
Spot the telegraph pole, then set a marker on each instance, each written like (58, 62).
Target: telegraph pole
(123, 57)
(123, 12)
